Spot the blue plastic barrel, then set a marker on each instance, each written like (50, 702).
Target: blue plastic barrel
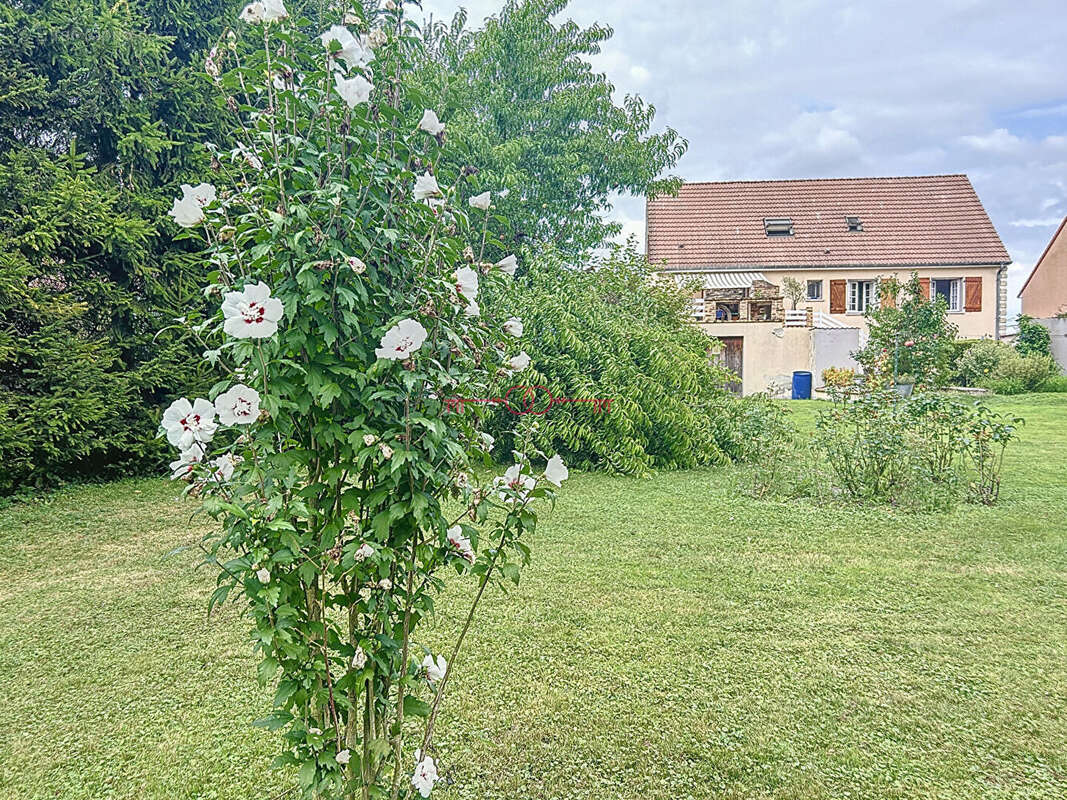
(801, 385)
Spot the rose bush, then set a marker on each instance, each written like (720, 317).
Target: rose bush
(346, 266)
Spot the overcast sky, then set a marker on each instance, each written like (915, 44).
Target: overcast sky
(828, 88)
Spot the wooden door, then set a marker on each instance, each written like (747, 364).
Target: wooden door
(732, 357)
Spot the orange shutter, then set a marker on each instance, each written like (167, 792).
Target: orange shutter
(924, 284)
(837, 297)
(973, 298)
(886, 298)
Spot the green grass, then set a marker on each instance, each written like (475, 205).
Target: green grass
(672, 640)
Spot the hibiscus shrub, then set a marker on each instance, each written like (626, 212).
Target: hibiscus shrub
(345, 264)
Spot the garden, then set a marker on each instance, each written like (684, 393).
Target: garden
(272, 527)
(673, 637)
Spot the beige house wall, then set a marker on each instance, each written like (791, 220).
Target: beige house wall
(1045, 293)
(971, 324)
(771, 352)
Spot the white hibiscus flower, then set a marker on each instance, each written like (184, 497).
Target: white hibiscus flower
(364, 552)
(460, 542)
(466, 283)
(343, 757)
(425, 776)
(401, 340)
(263, 575)
(487, 440)
(430, 123)
(353, 52)
(426, 187)
(556, 472)
(480, 201)
(274, 10)
(188, 423)
(472, 309)
(513, 327)
(520, 362)
(354, 90)
(514, 479)
(238, 405)
(508, 265)
(253, 13)
(253, 313)
(435, 670)
(189, 211)
(187, 460)
(224, 466)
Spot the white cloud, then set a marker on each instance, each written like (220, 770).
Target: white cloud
(813, 88)
(1047, 222)
(999, 141)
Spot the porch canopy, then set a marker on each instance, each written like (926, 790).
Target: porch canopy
(720, 280)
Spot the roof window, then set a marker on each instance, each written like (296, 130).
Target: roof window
(855, 224)
(778, 226)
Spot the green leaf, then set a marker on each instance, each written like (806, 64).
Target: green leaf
(415, 707)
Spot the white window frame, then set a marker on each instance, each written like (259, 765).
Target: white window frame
(868, 294)
(955, 293)
(807, 291)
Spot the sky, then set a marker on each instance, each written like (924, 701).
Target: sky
(819, 88)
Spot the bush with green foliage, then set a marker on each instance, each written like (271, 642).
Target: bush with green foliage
(767, 439)
(922, 452)
(1003, 369)
(609, 330)
(913, 331)
(1034, 338)
(348, 300)
(101, 108)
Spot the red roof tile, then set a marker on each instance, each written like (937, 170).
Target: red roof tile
(928, 220)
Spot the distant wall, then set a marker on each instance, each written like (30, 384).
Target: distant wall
(1057, 329)
(1045, 293)
(833, 347)
(771, 352)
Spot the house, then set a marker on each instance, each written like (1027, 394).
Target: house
(1044, 294)
(735, 242)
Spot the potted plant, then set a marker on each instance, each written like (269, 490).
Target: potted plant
(905, 384)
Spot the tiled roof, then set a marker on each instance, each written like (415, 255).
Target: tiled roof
(936, 219)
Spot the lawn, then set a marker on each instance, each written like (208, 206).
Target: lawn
(672, 639)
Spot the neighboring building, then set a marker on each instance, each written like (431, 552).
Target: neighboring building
(737, 241)
(1044, 294)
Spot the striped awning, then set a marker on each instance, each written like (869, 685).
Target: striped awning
(721, 280)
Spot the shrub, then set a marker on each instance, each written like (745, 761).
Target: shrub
(766, 439)
(914, 452)
(988, 436)
(1057, 383)
(1033, 338)
(608, 330)
(349, 298)
(913, 331)
(838, 377)
(1001, 368)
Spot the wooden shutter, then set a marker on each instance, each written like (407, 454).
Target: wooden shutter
(837, 297)
(973, 298)
(924, 284)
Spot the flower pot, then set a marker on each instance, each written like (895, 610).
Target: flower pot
(904, 389)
